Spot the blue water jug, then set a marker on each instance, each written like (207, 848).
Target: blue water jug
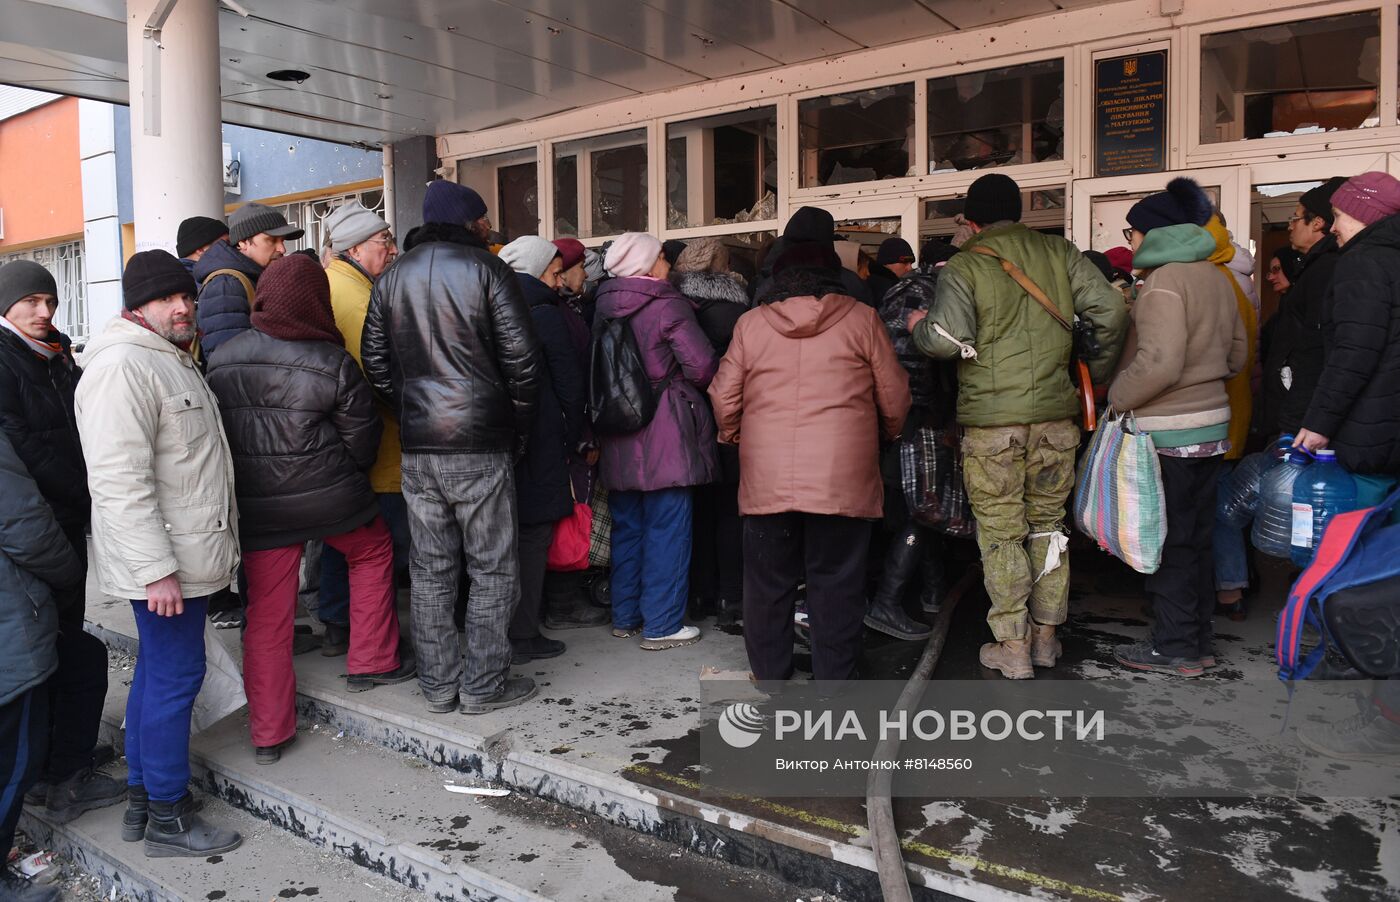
(1273, 524)
(1318, 495)
(1240, 501)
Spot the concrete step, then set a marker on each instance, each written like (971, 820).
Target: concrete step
(269, 865)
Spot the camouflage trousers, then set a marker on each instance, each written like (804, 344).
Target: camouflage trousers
(1018, 479)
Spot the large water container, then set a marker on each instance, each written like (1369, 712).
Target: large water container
(1273, 524)
(1240, 501)
(1319, 494)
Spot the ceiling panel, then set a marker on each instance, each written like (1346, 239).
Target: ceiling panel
(975, 13)
(874, 23)
(771, 27)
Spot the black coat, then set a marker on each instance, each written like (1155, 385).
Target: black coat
(851, 283)
(36, 411)
(304, 433)
(880, 281)
(223, 310)
(542, 475)
(1357, 401)
(1296, 341)
(719, 299)
(449, 345)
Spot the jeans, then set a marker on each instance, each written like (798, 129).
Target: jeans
(335, 575)
(24, 739)
(169, 672)
(462, 505)
(534, 555)
(1182, 589)
(77, 691)
(268, 675)
(650, 559)
(780, 550)
(1228, 543)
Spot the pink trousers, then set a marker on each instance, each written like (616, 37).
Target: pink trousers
(268, 676)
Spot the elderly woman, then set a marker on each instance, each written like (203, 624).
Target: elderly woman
(649, 473)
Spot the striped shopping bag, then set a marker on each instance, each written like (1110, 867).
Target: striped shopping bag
(1118, 501)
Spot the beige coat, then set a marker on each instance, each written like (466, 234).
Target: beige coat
(807, 389)
(159, 467)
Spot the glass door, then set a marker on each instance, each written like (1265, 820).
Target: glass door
(1100, 206)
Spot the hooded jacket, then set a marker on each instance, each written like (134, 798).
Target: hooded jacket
(449, 345)
(36, 411)
(1357, 400)
(159, 467)
(677, 448)
(1185, 340)
(223, 309)
(807, 390)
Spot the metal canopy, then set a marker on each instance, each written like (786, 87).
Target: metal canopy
(382, 71)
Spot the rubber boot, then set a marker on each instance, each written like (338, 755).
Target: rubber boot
(173, 830)
(1011, 658)
(1045, 648)
(935, 583)
(886, 614)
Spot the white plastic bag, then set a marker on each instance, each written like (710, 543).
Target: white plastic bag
(222, 692)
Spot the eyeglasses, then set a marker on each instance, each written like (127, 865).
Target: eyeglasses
(1128, 234)
(1304, 218)
(387, 241)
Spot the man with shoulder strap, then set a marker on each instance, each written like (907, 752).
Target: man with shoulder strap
(228, 271)
(992, 311)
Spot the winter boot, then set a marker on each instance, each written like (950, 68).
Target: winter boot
(173, 830)
(85, 790)
(335, 641)
(731, 611)
(1045, 648)
(1012, 658)
(935, 583)
(137, 810)
(886, 614)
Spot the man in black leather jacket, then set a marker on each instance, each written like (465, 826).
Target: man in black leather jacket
(449, 344)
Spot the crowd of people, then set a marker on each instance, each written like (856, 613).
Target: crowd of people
(429, 414)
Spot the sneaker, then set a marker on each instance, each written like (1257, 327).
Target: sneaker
(626, 632)
(335, 641)
(14, 888)
(363, 682)
(514, 691)
(271, 754)
(686, 635)
(1141, 655)
(537, 649)
(1366, 736)
(86, 790)
(227, 620)
(1208, 661)
(576, 617)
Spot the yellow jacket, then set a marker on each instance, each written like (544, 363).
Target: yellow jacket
(1238, 387)
(350, 290)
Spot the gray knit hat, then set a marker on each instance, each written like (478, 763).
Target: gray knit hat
(351, 223)
(22, 278)
(529, 254)
(256, 219)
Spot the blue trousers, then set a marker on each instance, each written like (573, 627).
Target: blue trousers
(335, 574)
(650, 559)
(169, 672)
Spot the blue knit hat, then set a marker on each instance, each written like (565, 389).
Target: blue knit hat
(451, 203)
(1182, 203)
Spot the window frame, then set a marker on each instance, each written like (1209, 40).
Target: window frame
(726, 228)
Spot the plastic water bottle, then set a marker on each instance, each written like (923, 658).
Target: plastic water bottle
(1273, 525)
(1241, 500)
(1323, 492)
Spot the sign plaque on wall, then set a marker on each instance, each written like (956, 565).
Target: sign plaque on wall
(1130, 114)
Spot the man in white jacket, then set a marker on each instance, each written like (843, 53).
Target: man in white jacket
(163, 514)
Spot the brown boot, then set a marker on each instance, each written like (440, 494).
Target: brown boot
(1012, 658)
(1045, 648)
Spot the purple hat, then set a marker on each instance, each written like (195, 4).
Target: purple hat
(1369, 197)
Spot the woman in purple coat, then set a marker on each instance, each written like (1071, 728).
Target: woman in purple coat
(649, 472)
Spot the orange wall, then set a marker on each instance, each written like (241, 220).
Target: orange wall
(41, 186)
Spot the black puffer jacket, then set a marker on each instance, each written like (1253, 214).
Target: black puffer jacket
(542, 476)
(304, 433)
(36, 411)
(1296, 341)
(720, 298)
(449, 344)
(1357, 401)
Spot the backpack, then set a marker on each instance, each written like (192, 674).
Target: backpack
(621, 397)
(1349, 594)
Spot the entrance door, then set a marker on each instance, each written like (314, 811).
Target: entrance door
(1101, 205)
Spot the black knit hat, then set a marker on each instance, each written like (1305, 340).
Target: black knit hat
(152, 275)
(256, 219)
(1318, 201)
(810, 224)
(993, 198)
(1183, 203)
(22, 278)
(671, 250)
(197, 232)
(894, 250)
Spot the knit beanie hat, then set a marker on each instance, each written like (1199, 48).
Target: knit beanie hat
(571, 251)
(351, 223)
(593, 268)
(632, 254)
(894, 250)
(1120, 258)
(1369, 197)
(671, 250)
(294, 302)
(703, 255)
(1182, 203)
(152, 275)
(529, 254)
(256, 219)
(810, 224)
(22, 278)
(451, 203)
(993, 198)
(936, 252)
(197, 232)
(1318, 201)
